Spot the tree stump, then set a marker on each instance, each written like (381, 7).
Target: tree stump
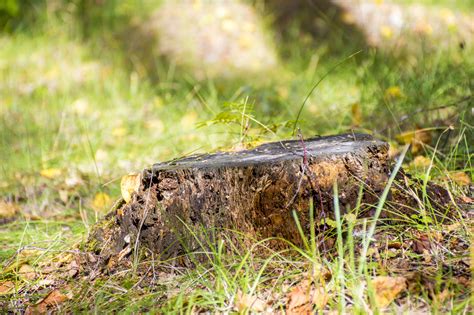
(253, 191)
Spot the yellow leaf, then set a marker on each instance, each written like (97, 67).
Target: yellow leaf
(7, 210)
(416, 138)
(386, 31)
(386, 289)
(101, 201)
(27, 272)
(129, 185)
(246, 303)
(420, 162)
(393, 92)
(460, 178)
(50, 173)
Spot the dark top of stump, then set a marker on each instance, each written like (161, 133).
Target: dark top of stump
(276, 151)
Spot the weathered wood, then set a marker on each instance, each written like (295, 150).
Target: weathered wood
(252, 191)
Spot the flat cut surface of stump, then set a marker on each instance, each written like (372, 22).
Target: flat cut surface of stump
(253, 191)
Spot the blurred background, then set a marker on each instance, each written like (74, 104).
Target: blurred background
(93, 89)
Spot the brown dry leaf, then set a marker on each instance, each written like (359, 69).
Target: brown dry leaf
(460, 178)
(304, 297)
(245, 302)
(416, 138)
(6, 287)
(50, 173)
(466, 199)
(52, 300)
(22, 257)
(27, 272)
(8, 210)
(422, 241)
(101, 201)
(386, 289)
(64, 258)
(129, 185)
(443, 296)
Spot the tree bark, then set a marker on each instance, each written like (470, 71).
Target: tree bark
(253, 192)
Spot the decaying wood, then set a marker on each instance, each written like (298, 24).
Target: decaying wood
(253, 192)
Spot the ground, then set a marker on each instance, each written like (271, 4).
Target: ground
(78, 111)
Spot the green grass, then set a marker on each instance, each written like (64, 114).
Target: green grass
(80, 105)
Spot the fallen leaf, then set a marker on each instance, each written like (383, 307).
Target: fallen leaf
(386, 32)
(460, 178)
(101, 201)
(50, 173)
(129, 185)
(443, 296)
(386, 289)
(52, 300)
(420, 162)
(8, 210)
(63, 259)
(427, 256)
(393, 92)
(23, 257)
(304, 297)
(245, 302)
(466, 199)
(6, 287)
(417, 138)
(27, 272)
(422, 241)
(394, 245)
